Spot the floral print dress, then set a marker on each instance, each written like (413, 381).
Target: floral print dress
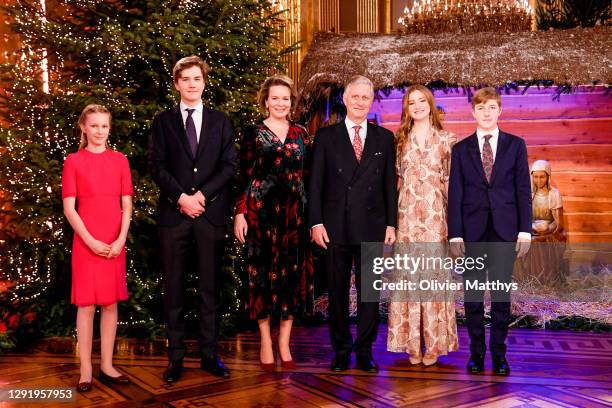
(273, 199)
(422, 212)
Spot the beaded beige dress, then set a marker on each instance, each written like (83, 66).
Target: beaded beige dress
(422, 219)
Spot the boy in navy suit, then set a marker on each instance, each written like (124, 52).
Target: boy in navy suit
(489, 203)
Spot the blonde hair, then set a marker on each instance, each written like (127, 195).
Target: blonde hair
(264, 92)
(188, 62)
(403, 133)
(91, 108)
(485, 94)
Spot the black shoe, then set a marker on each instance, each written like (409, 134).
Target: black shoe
(212, 364)
(173, 371)
(476, 364)
(120, 380)
(340, 362)
(84, 386)
(501, 366)
(366, 363)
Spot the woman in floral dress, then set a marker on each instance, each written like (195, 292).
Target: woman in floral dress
(270, 219)
(423, 164)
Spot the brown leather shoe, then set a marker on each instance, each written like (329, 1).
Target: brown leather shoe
(120, 380)
(84, 386)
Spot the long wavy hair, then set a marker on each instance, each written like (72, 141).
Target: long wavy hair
(403, 133)
(91, 108)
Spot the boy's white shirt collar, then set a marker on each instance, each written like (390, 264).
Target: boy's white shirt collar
(199, 107)
(196, 116)
(481, 133)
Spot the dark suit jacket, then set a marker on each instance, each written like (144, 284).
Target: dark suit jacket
(176, 171)
(354, 201)
(507, 197)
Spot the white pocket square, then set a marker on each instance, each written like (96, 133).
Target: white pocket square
(377, 153)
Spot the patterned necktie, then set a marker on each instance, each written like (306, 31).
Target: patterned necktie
(190, 129)
(357, 143)
(487, 157)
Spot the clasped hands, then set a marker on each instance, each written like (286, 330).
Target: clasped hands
(105, 250)
(192, 205)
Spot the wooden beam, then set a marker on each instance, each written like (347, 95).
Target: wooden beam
(576, 157)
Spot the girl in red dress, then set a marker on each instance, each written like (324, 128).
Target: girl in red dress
(97, 197)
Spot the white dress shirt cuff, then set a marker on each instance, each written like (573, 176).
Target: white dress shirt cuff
(525, 235)
(456, 239)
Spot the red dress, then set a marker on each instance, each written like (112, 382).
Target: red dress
(98, 181)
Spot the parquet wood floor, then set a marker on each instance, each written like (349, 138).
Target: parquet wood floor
(549, 369)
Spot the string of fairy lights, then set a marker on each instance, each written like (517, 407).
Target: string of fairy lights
(467, 16)
(41, 127)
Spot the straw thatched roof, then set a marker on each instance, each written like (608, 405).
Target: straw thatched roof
(566, 57)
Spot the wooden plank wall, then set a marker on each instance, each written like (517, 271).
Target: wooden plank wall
(573, 132)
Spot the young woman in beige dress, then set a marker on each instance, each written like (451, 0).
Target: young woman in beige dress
(423, 165)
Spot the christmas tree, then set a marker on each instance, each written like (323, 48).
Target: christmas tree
(120, 54)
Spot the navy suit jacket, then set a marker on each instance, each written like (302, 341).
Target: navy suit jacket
(354, 201)
(176, 171)
(507, 197)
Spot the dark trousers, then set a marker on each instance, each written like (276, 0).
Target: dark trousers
(499, 262)
(203, 242)
(338, 261)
